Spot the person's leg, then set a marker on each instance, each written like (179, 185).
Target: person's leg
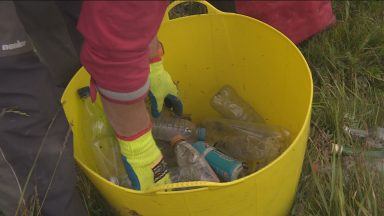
(70, 11)
(32, 123)
(56, 176)
(13, 43)
(53, 36)
(10, 187)
(33, 126)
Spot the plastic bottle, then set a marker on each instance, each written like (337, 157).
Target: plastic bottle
(374, 136)
(247, 141)
(105, 148)
(168, 153)
(370, 153)
(226, 168)
(259, 130)
(166, 127)
(230, 105)
(374, 156)
(191, 165)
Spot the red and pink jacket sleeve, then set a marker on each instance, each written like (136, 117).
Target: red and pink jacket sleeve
(115, 49)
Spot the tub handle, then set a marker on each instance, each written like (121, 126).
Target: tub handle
(190, 186)
(209, 8)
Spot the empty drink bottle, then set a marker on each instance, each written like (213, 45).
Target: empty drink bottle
(247, 141)
(348, 151)
(259, 130)
(191, 165)
(230, 105)
(166, 127)
(374, 136)
(100, 135)
(168, 153)
(374, 156)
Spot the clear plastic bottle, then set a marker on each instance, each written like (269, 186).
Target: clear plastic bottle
(168, 153)
(374, 136)
(191, 165)
(247, 141)
(374, 156)
(259, 130)
(105, 148)
(230, 105)
(166, 127)
(370, 153)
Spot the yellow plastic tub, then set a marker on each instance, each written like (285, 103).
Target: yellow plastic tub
(202, 53)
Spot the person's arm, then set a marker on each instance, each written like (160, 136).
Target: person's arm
(115, 52)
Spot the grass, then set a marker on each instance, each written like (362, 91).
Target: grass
(94, 203)
(347, 63)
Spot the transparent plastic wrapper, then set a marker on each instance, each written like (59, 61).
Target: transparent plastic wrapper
(254, 143)
(230, 105)
(167, 127)
(105, 148)
(191, 165)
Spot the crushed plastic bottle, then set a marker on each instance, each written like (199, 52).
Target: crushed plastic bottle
(230, 105)
(191, 165)
(105, 148)
(166, 127)
(254, 143)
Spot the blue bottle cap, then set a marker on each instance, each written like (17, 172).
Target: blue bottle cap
(201, 134)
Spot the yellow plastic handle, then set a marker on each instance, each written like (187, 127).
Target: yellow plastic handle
(210, 8)
(196, 185)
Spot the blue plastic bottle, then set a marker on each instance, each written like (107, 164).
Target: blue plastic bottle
(227, 168)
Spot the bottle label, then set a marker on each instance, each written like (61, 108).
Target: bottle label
(224, 166)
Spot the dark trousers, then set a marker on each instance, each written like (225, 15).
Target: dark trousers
(36, 155)
(52, 28)
(33, 128)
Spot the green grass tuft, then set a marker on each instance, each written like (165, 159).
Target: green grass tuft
(347, 63)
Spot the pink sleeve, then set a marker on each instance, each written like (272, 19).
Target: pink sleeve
(115, 49)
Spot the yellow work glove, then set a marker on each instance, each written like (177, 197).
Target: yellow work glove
(144, 162)
(163, 90)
